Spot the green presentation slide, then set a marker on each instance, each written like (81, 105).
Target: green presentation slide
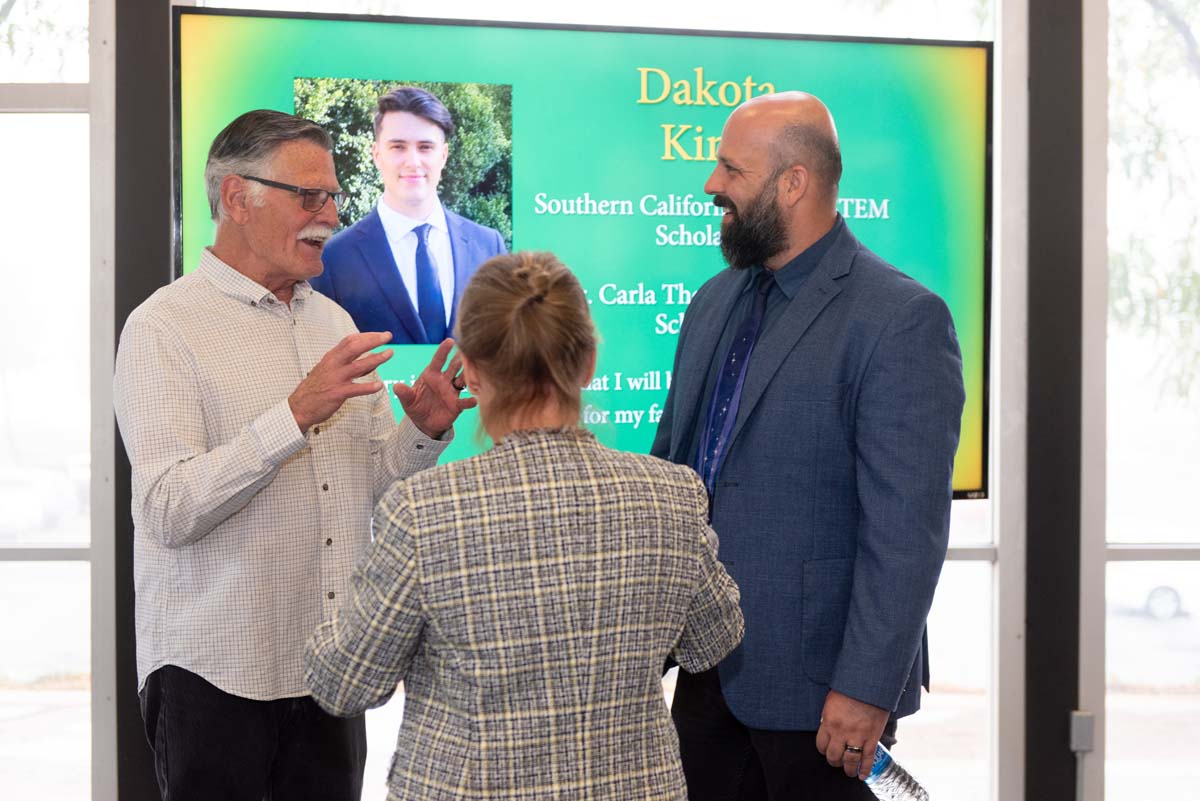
(596, 143)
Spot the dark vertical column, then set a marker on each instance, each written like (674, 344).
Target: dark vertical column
(142, 264)
(1055, 367)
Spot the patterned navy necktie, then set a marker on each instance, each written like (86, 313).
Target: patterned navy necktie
(727, 394)
(431, 305)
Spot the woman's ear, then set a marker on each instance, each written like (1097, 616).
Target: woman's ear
(471, 375)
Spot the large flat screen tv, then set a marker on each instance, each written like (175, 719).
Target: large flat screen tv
(595, 143)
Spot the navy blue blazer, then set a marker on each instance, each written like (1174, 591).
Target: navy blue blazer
(361, 275)
(833, 503)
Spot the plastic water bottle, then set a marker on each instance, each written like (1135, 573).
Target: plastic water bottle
(890, 782)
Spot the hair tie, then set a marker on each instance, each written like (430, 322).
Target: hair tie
(532, 299)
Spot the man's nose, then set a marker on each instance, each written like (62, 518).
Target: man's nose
(329, 213)
(711, 186)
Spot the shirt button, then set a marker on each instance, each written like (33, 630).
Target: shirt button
(420, 447)
(330, 596)
(329, 541)
(316, 429)
(325, 487)
(254, 303)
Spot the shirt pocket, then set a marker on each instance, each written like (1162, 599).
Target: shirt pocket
(352, 421)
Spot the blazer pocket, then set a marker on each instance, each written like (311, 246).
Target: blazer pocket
(821, 414)
(827, 584)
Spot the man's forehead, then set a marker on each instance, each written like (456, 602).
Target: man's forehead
(302, 153)
(742, 142)
(404, 126)
(305, 163)
(404, 137)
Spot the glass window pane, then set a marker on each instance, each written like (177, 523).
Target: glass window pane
(971, 523)
(45, 680)
(1153, 391)
(44, 41)
(902, 19)
(1153, 437)
(383, 726)
(946, 745)
(45, 409)
(1153, 680)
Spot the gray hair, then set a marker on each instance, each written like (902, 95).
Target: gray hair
(248, 144)
(812, 146)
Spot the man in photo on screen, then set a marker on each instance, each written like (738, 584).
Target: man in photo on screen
(259, 440)
(818, 393)
(403, 267)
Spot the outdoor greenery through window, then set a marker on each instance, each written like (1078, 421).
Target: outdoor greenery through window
(45, 466)
(1153, 394)
(43, 41)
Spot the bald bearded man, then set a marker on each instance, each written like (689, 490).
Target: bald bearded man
(818, 392)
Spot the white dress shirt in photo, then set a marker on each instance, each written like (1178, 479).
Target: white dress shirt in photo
(403, 242)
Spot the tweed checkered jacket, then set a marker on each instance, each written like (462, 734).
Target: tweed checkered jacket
(528, 598)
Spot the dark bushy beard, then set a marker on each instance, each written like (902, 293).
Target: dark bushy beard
(754, 233)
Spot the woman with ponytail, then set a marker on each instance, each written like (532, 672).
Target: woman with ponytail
(529, 596)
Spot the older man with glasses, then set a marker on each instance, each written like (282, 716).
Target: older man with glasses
(259, 439)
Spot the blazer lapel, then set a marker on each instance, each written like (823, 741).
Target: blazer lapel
(377, 254)
(703, 341)
(771, 350)
(466, 260)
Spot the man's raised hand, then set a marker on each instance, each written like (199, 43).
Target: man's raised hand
(331, 382)
(433, 402)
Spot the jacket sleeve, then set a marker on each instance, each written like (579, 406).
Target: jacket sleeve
(355, 660)
(714, 624)
(908, 415)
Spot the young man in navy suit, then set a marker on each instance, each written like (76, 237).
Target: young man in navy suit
(818, 392)
(403, 267)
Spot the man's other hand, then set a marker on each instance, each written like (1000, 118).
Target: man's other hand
(433, 402)
(847, 722)
(331, 382)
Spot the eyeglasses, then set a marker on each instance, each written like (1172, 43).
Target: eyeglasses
(310, 199)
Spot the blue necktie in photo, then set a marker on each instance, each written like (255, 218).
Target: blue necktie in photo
(431, 306)
(727, 394)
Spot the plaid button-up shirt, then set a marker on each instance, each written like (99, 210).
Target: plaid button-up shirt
(528, 597)
(245, 530)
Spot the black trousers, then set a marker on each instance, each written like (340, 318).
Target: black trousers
(724, 760)
(210, 745)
